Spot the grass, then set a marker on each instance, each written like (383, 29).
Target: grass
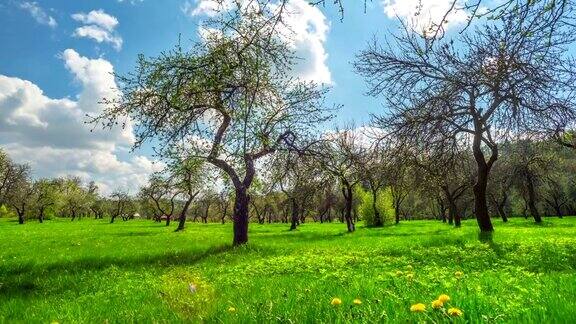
(140, 271)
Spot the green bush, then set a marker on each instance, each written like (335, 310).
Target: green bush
(384, 204)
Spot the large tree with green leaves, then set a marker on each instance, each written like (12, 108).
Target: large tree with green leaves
(230, 99)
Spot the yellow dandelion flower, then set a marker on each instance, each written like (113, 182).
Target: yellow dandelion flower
(437, 304)
(458, 274)
(410, 276)
(231, 309)
(418, 308)
(399, 273)
(357, 301)
(443, 298)
(336, 301)
(454, 312)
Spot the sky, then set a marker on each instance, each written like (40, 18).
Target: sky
(57, 59)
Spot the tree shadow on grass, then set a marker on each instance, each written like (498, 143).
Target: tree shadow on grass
(19, 281)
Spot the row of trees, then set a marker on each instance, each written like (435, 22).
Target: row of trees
(233, 102)
(457, 110)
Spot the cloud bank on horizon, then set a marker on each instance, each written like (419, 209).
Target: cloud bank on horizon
(51, 134)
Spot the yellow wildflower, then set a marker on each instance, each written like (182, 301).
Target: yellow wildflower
(454, 312)
(231, 309)
(458, 274)
(437, 304)
(336, 301)
(443, 298)
(410, 276)
(357, 301)
(409, 267)
(399, 273)
(418, 308)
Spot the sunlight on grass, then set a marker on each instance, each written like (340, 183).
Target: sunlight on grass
(91, 271)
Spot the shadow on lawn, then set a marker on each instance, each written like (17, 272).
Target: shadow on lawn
(20, 281)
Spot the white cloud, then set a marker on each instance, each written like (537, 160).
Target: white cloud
(51, 134)
(422, 14)
(99, 26)
(97, 17)
(39, 14)
(307, 29)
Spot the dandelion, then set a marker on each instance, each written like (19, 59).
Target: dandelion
(443, 298)
(307, 290)
(357, 302)
(336, 301)
(409, 267)
(437, 304)
(410, 276)
(454, 312)
(399, 273)
(231, 309)
(458, 274)
(418, 308)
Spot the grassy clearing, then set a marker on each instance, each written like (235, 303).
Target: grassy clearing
(92, 271)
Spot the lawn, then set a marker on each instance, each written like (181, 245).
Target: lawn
(141, 271)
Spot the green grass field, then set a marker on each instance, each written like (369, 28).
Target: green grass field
(140, 271)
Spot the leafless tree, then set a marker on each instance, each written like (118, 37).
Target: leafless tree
(506, 78)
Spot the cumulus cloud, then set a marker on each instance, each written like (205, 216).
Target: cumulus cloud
(306, 31)
(422, 14)
(39, 14)
(51, 134)
(99, 26)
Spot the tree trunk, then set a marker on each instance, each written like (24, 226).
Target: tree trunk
(168, 217)
(480, 202)
(41, 215)
(397, 212)
(532, 200)
(182, 218)
(20, 217)
(348, 196)
(294, 219)
(241, 217)
(377, 219)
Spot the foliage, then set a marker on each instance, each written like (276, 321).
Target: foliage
(384, 203)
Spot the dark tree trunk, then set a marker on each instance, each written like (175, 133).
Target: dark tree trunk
(241, 217)
(294, 222)
(377, 219)
(397, 212)
(20, 217)
(532, 200)
(480, 187)
(168, 220)
(182, 217)
(348, 197)
(41, 215)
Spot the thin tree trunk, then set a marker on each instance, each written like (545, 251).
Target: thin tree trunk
(294, 222)
(377, 219)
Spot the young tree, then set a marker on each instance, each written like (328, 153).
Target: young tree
(120, 205)
(339, 155)
(509, 77)
(230, 98)
(45, 195)
(162, 192)
(19, 196)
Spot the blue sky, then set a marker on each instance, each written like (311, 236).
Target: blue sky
(56, 57)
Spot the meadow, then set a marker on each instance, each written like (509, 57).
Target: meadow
(90, 271)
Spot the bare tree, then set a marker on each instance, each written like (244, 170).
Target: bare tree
(339, 156)
(476, 92)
